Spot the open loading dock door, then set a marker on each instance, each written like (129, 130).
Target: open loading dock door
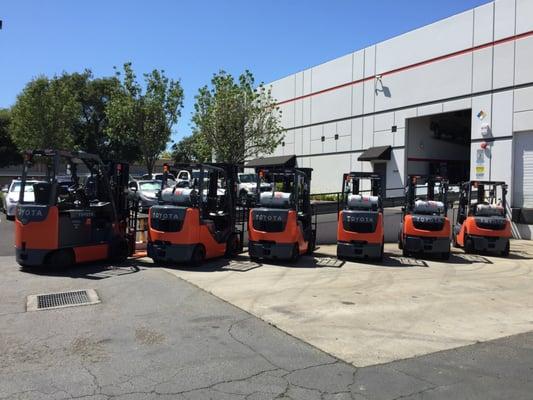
(440, 145)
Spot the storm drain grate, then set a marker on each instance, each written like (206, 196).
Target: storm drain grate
(62, 299)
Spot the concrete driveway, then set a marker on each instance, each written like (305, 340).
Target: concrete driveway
(372, 314)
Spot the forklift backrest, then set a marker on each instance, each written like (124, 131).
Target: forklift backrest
(42, 192)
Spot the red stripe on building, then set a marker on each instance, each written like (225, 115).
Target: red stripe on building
(411, 66)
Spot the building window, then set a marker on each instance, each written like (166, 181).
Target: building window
(394, 128)
(282, 144)
(336, 136)
(323, 138)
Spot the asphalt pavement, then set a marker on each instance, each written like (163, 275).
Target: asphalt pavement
(157, 336)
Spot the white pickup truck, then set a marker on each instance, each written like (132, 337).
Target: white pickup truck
(247, 186)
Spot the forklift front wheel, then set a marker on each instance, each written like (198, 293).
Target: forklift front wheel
(232, 246)
(405, 252)
(295, 252)
(382, 252)
(198, 256)
(311, 246)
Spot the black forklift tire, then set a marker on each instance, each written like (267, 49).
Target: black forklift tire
(469, 245)
(232, 246)
(119, 250)
(295, 253)
(405, 252)
(400, 243)
(198, 256)
(445, 256)
(382, 252)
(311, 246)
(507, 250)
(454, 241)
(63, 258)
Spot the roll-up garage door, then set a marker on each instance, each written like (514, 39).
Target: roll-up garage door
(523, 170)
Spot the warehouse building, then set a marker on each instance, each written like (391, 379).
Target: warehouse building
(453, 98)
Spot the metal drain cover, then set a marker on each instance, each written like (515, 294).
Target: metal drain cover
(49, 301)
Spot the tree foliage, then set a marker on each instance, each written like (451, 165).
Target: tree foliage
(44, 115)
(191, 148)
(9, 154)
(146, 117)
(69, 112)
(236, 119)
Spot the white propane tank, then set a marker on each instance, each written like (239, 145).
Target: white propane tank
(359, 202)
(276, 199)
(180, 196)
(429, 207)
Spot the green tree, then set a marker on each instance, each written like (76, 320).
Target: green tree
(236, 119)
(44, 116)
(191, 148)
(146, 117)
(9, 154)
(90, 131)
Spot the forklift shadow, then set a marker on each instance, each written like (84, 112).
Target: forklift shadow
(91, 271)
(462, 258)
(396, 261)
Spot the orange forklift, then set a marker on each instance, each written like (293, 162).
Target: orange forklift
(482, 224)
(198, 222)
(280, 225)
(425, 227)
(78, 213)
(360, 231)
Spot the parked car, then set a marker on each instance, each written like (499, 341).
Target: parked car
(247, 187)
(145, 192)
(157, 177)
(11, 197)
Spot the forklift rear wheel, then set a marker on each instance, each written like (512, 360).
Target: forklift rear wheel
(507, 250)
(61, 258)
(445, 255)
(469, 245)
(198, 256)
(400, 243)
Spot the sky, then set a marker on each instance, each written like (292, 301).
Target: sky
(193, 39)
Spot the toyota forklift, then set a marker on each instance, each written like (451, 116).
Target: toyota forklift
(281, 224)
(198, 222)
(482, 224)
(360, 229)
(79, 212)
(425, 227)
